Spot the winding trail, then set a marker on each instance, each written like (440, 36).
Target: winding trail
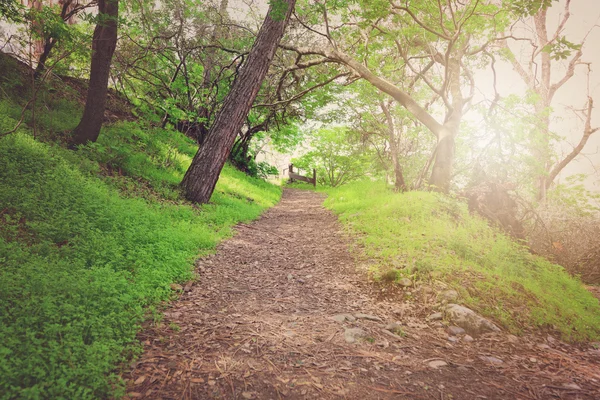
(258, 325)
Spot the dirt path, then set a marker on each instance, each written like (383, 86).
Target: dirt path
(258, 325)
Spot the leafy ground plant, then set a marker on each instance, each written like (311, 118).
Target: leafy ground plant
(429, 236)
(90, 242)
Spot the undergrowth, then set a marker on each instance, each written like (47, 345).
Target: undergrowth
(431, 237)
(90, 241)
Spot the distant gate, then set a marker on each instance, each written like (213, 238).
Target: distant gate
(297, 177)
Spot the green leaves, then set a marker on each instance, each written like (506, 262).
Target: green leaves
(561, 49)
(528, 8)
(278, 9)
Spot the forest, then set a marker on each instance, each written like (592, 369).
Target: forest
(157, 239)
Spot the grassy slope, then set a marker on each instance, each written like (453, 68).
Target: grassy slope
(431, 237)
(90, 242)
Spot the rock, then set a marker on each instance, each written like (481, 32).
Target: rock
(394, 328)
(573, 386)
(491, 360)
(437, 363)
(435, 317)
(448, 295)
(452, 339)
(290, 277)
(247, 395)
(368, 317)
(175, 286)
(455, 330)
(343, 318)
(512, 339)
(405, 282)
(470, 321)
(352, 334)
(468, 338)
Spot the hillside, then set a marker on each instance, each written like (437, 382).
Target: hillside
(93, 241)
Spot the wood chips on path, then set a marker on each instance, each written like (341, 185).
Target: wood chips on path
(258, 325)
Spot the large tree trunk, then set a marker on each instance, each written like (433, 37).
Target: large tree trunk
(441, 174)
(200, 179)
(104, 43)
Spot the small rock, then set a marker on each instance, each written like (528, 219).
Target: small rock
(175, 286)
(343, 317)
(247, 395)
(448, 296)
(290, 277)
(468, 338)
(405, 282)
(543, 346)
(470, 321)
(512, 339)
(573, 386)
(437, 363)
(352, 334)
(491, 360)
(435, 317)
(212, 383)
(455, 330)
(452, 339)
(301, 280)
(533, 359)
(394, 328)
(368, 317)
(308, 276)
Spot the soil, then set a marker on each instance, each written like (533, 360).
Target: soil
(258, 324)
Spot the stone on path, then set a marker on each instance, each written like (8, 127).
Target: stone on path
(469, 320)
(343, 318)
(491, 360)
(435, 316)
(448, 295)
(455, 330)
(405, 282)
(437, 363)
(368, 317)
(351, 335)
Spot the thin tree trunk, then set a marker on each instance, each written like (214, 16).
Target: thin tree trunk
(104, 43)
(200, 179)
(399, 183)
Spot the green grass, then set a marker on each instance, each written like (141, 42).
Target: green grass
(431, 237)
(90, 241)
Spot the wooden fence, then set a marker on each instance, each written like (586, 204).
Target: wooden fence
(294, 176)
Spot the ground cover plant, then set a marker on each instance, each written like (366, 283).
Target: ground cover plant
(431, 237)
(90, 242)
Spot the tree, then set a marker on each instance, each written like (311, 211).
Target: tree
(338, 156)
(200, 179)
(438, 43)
(104, 43)
(542, 52)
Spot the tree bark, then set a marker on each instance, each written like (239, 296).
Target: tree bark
(200, 179)
(399, 183)
(104, 43)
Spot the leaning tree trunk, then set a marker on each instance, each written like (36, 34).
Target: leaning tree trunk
(200, 179)
(104, 43)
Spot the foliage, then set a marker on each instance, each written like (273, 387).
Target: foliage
(89, 245)
(337, 156)
(432, 237)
